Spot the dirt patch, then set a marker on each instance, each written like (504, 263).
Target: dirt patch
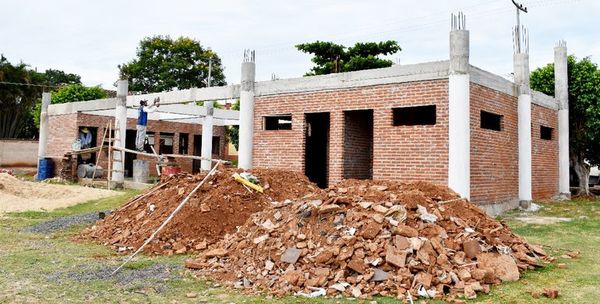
(365, 238)
(18, 195)
(543, 220)
(218, 208)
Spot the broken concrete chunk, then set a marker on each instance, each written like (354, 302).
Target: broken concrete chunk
(328, 209)
(355, 290)
(365, 205)
(380, 209)
(219, 252)
(291, 255)
(260, 239)
(504, 266)
(406, 231)
(380, 275)
(471, 248)
(269, 265)
(357, 265)
(395, 257)
(371, 230)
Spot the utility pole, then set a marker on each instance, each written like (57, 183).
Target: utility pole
(209, 71)
(520, 8)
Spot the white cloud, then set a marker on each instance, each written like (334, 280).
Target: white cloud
(92, 38)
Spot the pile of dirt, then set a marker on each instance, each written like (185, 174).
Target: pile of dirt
(18, 195)
(217, 208)
(365, 238)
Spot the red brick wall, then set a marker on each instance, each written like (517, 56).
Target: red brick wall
(544, 153)
(358, 142)
(406, 153)
(63, 130)
(494, 154)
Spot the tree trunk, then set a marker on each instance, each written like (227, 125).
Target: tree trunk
(582, 171)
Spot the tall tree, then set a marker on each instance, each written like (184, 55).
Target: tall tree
(70, 93)
(18, 94)
(164, 64)
(335, 58)
(57, 78)
(584, 113)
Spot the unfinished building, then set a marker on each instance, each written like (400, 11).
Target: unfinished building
(492, 140)
(447, 122)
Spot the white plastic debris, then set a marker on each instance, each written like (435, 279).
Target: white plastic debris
(469, 230)
(341, 287)
(533, 207)
(152, 207)
(350, 231)
(317, 292)
(424, 293)
(426, 216)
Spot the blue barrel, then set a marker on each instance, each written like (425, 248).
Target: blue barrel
(45, 169)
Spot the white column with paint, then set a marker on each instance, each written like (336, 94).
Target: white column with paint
(521, 65)
(43, 141)
(207, 136)
(561, 92)
(118, 174)
(246, 133)
(459, 128)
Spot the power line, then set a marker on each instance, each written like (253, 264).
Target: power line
(30, 84)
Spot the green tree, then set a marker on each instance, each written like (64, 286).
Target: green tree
(70, 93)
(18, 94)
(57, 78)
(164, 64)
(233, 132)
(584, 113)
(335, 58)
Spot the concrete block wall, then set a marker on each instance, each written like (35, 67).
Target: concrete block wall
(63, 130)
(404, 153)
(544, 153)
(18, 152)
(494, 154)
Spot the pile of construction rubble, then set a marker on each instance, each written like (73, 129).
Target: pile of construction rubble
(366, 238)
(217, 208)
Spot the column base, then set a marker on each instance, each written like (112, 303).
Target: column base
(525, 204)
(562, 197)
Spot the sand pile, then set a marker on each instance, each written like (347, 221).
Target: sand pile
(365, 238)
(18, 195)
(221, 205)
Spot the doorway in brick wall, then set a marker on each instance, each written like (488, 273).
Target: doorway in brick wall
(130, 136)
(197, 152)
(316, 156)
(358, 144)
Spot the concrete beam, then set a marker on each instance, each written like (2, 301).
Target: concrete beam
(393, 74)
(189, 95)
(82, 106)
(503, 85)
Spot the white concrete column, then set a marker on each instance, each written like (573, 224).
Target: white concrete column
(459, 128)
(43, 140)
(561, 92)
(118, 165)
(207, 135)
(521, 65)
(246, 134)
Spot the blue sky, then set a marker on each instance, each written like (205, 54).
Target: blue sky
(91, 38)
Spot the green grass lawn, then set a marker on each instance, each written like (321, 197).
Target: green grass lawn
(53, 268)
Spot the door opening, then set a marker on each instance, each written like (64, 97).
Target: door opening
(197, 152)
(358, 144)
(316, 156)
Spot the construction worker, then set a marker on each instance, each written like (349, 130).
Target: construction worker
(85, 138)
(142, 121)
